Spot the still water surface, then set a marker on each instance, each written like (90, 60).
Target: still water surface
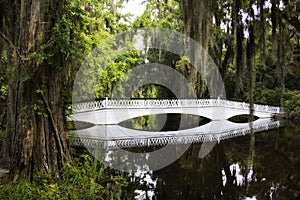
(264, 165)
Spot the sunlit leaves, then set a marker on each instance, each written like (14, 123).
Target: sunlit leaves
(161, 14)
(3, 89)
(116, 71)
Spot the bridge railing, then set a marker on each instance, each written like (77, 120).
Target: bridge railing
(88, 106)
(182, 139)
(157, 103)
(169, 103)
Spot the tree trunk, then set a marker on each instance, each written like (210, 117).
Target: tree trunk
(274, 17)
(35, 136)
(197, 18)
(251, 61)
(239, 36)
(252, 77)
(281, 64)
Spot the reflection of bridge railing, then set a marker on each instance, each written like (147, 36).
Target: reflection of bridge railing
(169, 103)
(178, 139)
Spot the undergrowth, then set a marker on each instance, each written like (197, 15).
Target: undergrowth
(82, 178)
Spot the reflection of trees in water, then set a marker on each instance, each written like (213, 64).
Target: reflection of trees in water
(276, 168)
(165, 122)
(190, 177)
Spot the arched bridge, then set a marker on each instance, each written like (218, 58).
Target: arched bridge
(111, 111)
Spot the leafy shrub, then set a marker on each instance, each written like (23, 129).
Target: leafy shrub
(292, 105)
(82, 178)
(272, 97)
(267, 96)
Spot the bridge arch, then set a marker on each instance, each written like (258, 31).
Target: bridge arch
(116, 111)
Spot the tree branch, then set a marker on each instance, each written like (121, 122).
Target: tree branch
(293, 21)
(12, 45)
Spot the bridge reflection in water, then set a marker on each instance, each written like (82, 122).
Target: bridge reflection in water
(115, 136)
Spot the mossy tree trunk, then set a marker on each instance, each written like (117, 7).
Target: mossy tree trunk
(239, 49)
(197, 18)
(251, 61)
(35, 138)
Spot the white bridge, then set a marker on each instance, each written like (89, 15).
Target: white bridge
(107, 114)
(115, 111)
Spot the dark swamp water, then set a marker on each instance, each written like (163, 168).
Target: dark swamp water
(265, 165)
(262, 165)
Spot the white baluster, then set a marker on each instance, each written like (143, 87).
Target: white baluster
(104, 102)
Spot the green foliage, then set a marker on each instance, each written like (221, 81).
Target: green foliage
(4, 58)
(3, 89)
(161, 14)
(40, 109)
(293, 105)
(267, 96)
(181, 64)
(148, 91)
(84, 24)
(82, 178)
(3, 81)
(272, 97)
(116, 71)
(36, 57)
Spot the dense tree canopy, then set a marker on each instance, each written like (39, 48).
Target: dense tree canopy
(255, 44)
